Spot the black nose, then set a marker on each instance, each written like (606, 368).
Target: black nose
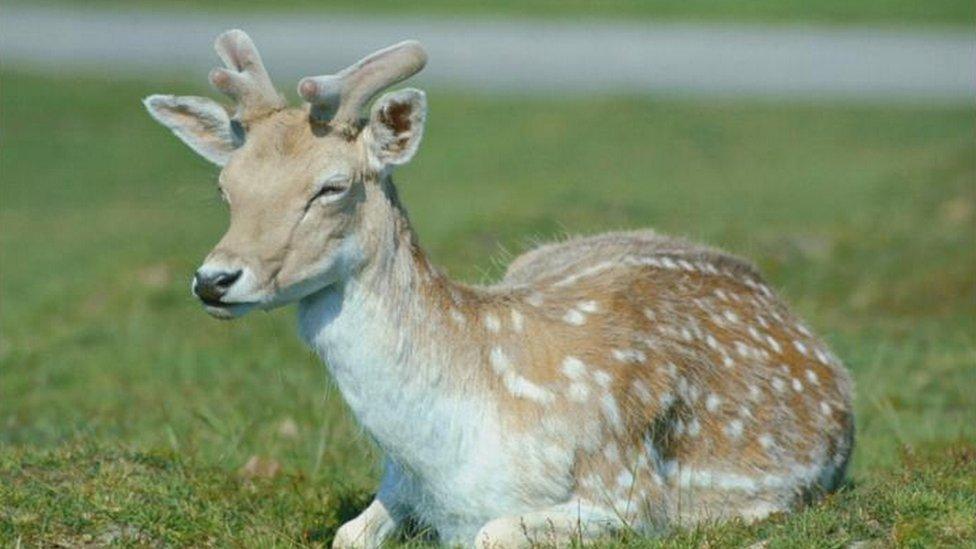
(211, 286)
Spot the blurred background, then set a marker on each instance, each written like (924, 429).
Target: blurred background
(832, 142)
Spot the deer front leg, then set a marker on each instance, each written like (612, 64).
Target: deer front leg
(559, 525)
(369, 529)
(380, 520)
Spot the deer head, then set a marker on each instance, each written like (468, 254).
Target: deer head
(300, 183)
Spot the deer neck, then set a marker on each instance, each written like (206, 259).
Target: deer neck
(382, 335)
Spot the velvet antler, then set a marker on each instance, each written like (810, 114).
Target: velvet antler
(339, 98)
(244, 79)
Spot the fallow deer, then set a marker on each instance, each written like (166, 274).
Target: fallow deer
(628, 381)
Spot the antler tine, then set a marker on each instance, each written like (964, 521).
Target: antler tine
(245, 79)
(340, 97)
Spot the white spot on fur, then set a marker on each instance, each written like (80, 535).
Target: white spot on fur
(800, 347)
(668, 263)
(694, 427)
(628, 355)
(773, 344)
(812, 377)
(754, 393)
(686, 265)
(578, 392)
(650, 314)
(734, 428)
(803, 330)
(456, 316)
(719, 293)
(711, 341)
(766, 441)
(492, 323)
(822, 357)
(574, 368)
(517, 385)
(611, 411)
(712, 402)
(590, 271)
(682, 385)
(666, 399)
(499, 361)
(743, 349)
(523, 388)
(602, 378)
(727, 361)
(625, 479)
(574, 317)
(825, 408)
(518, 321)
(534, 299)
(797, 386)
(730, 316)
(653, 261)
(778, 385)
(588, 306)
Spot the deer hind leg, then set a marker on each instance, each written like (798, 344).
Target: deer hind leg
(694, 507)
(560, 525)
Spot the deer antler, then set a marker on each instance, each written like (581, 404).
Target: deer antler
(339, 98)
(245, 79)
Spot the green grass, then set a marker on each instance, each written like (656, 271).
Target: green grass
(953, 12)
(126, 413)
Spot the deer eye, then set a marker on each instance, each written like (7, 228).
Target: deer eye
(329, 189)
(332, 188)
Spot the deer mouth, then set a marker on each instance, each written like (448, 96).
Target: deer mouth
(226, 311)
(212, 302)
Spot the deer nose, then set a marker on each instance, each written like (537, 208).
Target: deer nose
(210, 286)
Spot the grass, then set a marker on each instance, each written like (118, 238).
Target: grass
(938, 12)
(128, 416)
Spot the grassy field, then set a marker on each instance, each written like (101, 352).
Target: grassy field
(939, 12)
(127, 415)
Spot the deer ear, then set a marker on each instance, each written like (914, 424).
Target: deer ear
(396, 124)
(199, 122)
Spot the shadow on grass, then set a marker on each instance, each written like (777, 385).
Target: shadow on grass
(348, 504)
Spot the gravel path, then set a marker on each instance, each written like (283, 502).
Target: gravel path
(519, 56)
